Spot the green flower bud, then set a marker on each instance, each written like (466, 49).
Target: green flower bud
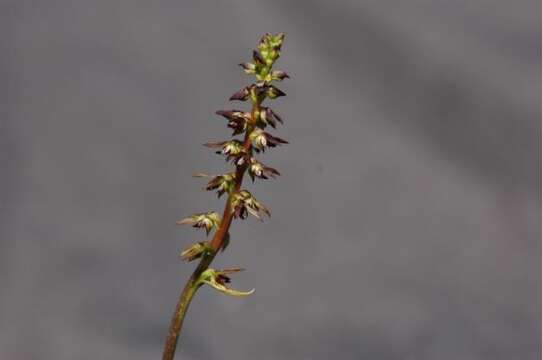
(270, 46)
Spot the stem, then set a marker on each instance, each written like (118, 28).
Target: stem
(180, 311)
(216, 243)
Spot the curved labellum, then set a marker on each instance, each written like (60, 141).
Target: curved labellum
(218, 279)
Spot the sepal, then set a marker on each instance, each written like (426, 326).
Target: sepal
(241, 95)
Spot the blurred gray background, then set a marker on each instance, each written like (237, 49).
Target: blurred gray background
(406, 224)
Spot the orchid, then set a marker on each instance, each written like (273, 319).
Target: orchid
(240, 203)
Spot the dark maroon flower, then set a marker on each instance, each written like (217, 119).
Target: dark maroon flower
(244, 203)
(274, 92)
(261, 139)
(269, 117)
(222, 183)
(257, 169)
(237, 120)
(208, 221)
(241, 95)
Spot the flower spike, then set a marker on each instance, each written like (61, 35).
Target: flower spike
(251, 125)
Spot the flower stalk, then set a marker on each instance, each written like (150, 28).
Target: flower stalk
(239, 202)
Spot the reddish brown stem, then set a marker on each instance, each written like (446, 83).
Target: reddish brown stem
(216, 244)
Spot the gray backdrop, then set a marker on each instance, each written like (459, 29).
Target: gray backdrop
(406, 224)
